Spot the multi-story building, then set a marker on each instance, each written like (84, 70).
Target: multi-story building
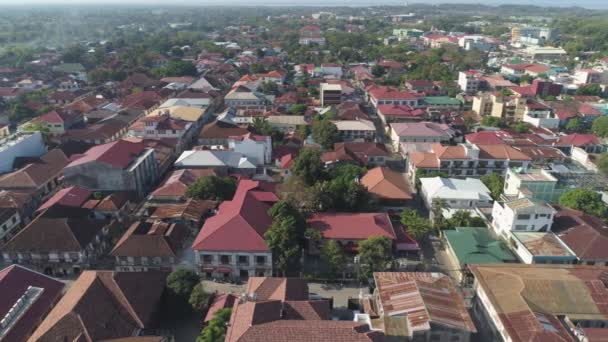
(310, 35)
(356, 130)
(466, 160)
(330, 94)
(468, 193)
(480, 43)
(257, 148)
(412, 300)
(537, 184)
(148, 246)
(469, 81)
(515, 302)
(420, 132)
(589, 76)
(540, 115)
(243, 97)
(55, 244)
(387, 95)
(122, 165)
(22, 144)
(523, 215)
(218, 254)
(57, 121)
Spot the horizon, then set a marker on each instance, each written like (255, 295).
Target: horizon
(587, 4)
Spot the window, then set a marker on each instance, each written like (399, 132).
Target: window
(260, 260)
(243, 260)
(207, 259)
(521, 227)
(14, 219)
(225, 259)
(523, 216)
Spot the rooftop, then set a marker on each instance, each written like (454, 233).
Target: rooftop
(477, 246)
(543, 244)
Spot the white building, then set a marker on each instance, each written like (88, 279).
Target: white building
(256, 148)
(350, 130)
(522, 214)
(468, 81)
(480, 43)
(22, 144)
(331, 69)
(466, 193)
(587, 76)
(540, 115)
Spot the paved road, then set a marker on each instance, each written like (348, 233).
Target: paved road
(339, 293)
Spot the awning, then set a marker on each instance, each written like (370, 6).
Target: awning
(224, 270)
(208, 269)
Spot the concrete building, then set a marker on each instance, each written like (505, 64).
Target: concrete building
(231, 244)
(256, 148)
(356, 130)
(540, 248)
(522, 214)
(22, 144)
(407, 307)
(468, 193)
(520, 303)
(122, 165)
(537, 184)
(469, 81)
(330, 94)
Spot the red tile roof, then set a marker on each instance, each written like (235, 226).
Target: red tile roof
(73, 196)
(352, 226)
(119, 153)
(178, 181)
(585, 235)
(14, 282)
(485, 138)
(151, 239)
(387, 93)
(386, 184)
(221, 301)
(244, 217)
(402, 111)
(577, 139)
(423, 298)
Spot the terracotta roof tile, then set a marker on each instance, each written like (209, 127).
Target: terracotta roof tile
(352, 226)
(386, 184)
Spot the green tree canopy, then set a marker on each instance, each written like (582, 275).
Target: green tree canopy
(180, 284)
(297, 109)
(269, 88)
(177, 68)
(417, 226)
(375, 254)
(590, 89)
(600, 126)
(463, 218)
(199, 298)
(325, 133)
(584, 200)
(215, 331)
(602, 163)
(282, 239)
(212, 188)
(309, 166)
(491, 121)
(495, 182)
(333, 255)
(575, 125)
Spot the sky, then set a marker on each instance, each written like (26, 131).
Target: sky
(600, 4)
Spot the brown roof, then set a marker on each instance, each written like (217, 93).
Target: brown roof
(501, 152)
(221, 130)
(528, 298)
(36, 174)
(267, 288)
(424, 298)
(307, 309)
(192, 210)
(585, 235)
(355, 151)
(151, 239)
(46, 234)
(178, 181)
(104, 305)
(424, 159)
(386, 184)
(113, 202)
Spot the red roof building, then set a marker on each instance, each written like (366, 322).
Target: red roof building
(18, 285)
(349, 228)
(237, 230)
(72, 196)
(584, 234)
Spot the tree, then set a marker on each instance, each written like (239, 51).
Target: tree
(212, 188)
(297, 109)
(269, 88)
(375, 253)
(491, 121)
(38, 127)
(325, 133)
(378, 70)
(309, 166)
(602, 163)
(180, 284)
(495, 184)
(590, 89)
(575, 125)
(282, 239)
(333, 255)
(302, 132)
(418, 227)
(526, 79)
(74, 54)
(520, 127)
(437, 207)
(463, 218)
(199, 298)
(600, 126)
(215, 331)
(177, 68)
(584, 200)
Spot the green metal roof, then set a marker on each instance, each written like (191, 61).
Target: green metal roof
(441, 100)
(477, 246)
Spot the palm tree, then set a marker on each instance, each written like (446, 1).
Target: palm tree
(437, 207)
